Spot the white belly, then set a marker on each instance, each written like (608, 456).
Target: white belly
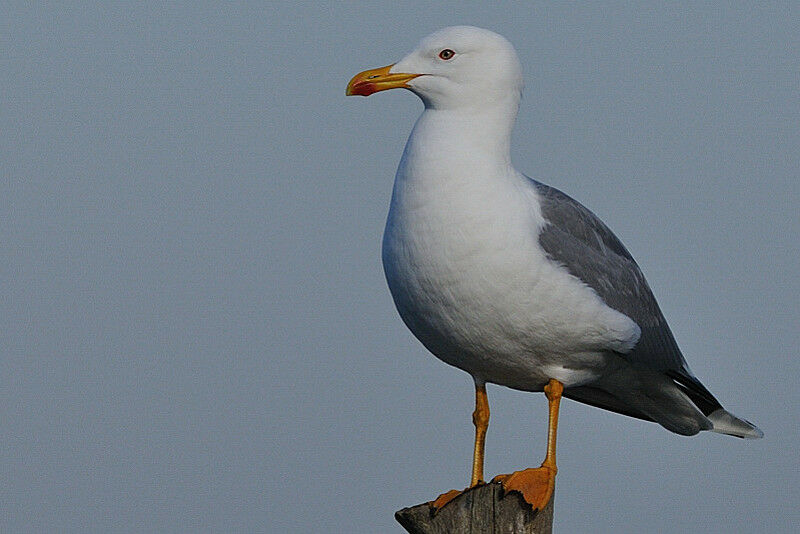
(471, 282)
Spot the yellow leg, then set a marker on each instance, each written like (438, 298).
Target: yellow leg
(553, 390)
(537, 485)
(480, 418)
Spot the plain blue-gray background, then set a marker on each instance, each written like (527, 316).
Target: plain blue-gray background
(196, 334)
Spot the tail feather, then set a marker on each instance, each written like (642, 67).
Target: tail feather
(726, 423)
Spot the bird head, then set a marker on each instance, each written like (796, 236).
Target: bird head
(460, 66)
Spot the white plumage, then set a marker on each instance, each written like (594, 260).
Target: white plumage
(511, 280)
(466, 271)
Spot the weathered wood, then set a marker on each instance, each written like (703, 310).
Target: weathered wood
(485, 509)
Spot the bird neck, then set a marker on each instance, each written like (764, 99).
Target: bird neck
(466, 134)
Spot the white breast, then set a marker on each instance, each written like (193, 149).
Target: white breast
(463, 263)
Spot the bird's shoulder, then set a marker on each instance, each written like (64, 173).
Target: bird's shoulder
(577, 239)
(565, 216)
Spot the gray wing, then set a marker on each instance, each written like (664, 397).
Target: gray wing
(577, 239)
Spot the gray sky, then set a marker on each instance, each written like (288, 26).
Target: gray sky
(196, 333)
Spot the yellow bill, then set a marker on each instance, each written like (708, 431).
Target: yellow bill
(374, 80)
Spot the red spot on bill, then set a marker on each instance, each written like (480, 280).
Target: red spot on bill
(363, 88)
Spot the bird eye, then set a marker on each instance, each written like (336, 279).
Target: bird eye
(446, 54)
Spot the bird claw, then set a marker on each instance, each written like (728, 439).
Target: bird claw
(439, 502)
(535, 485)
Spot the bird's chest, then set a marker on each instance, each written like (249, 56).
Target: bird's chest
(452, 258)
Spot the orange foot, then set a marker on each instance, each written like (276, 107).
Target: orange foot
(535, 485)
(445, 498)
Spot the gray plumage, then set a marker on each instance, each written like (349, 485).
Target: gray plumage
(575, 238)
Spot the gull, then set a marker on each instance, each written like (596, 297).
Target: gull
(510, 279)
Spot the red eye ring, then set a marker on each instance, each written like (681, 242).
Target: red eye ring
(446, 54)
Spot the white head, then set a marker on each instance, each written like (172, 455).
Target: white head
(456, 67)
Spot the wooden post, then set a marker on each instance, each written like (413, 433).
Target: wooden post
(484, 509)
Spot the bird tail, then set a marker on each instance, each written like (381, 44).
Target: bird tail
(726, 423)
